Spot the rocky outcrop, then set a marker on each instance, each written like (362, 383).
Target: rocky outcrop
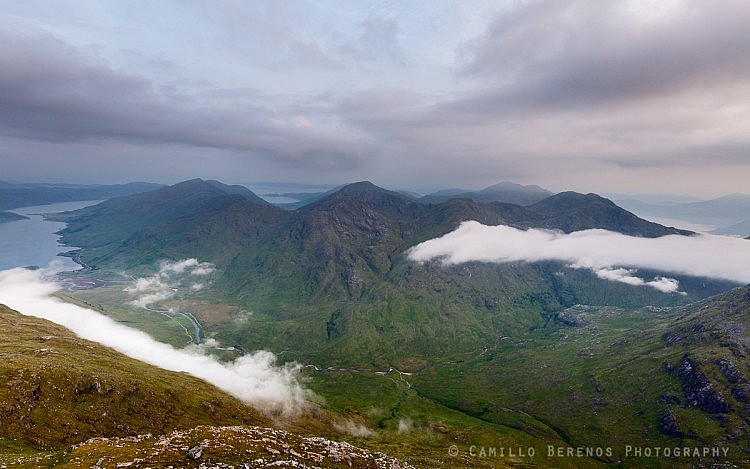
(668, 425)
(227, 447)
(697, 388)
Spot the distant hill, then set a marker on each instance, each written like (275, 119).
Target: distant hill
(738, 229)
(22, 195)
(6, 217)
(506, 192)
(168, 219)
(242, 191)
(569, 211)
(723, 211)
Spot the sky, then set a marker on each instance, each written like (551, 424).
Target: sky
(630, 96)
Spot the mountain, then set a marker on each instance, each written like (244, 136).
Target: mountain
(538, 353)
(340, 264)
(570, 211)
(242, 191)
(722, 211)
(22, 195)
(738, 229)
(107, 229)
(507, 192)
(6, 217)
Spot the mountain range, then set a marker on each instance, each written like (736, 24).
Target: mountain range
(536, 354)
(507, 192)
(340, 263)
(14, 195)
(729, 214)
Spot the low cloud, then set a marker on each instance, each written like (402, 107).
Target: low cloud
(627, 276)
(610, 255)
(254, 378)
(352, 428)
(171, 278)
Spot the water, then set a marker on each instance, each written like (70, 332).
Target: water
(33, 242)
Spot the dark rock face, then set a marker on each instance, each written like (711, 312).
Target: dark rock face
(731, 372)
(668, 425)
(697, 388)
(742, 393)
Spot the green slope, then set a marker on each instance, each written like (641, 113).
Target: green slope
(57, 389)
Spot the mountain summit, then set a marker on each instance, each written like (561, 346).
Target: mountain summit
(571, 211)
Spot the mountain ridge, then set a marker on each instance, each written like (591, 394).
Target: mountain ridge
(343, 257)
(506, 191)
(29, 194)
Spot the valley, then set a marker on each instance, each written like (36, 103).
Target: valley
(478, 363)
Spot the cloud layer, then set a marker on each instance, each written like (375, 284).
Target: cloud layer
(254, 378)
(586, 94)
(612, 256)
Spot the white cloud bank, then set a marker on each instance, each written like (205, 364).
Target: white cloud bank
(253, 378)
(610, 255)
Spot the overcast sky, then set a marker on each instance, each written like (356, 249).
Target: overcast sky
(586, 95)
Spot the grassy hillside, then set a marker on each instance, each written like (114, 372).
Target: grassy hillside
(57, 389)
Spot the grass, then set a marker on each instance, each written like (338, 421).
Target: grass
(57, 389)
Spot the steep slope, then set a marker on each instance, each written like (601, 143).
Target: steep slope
(57, 389)
(120, 230)
(666, 378)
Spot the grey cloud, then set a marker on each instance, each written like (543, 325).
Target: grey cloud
(379, 41)
(587, 52)
(51, 91)
(269, 37)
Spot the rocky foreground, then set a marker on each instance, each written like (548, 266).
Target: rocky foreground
(219, 447)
